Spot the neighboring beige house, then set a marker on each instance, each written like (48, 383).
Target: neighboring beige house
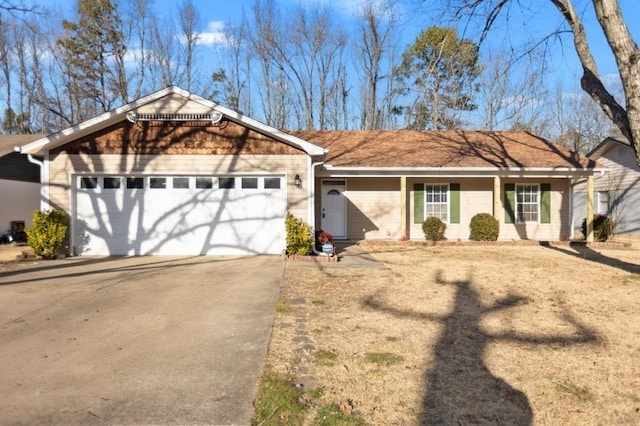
(173, 173)
(616, 193)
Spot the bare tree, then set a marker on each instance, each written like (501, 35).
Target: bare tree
(625, 115)
(266, 40)
(189, 20)
(512, 95)
(162, 59)
(233, 81)
(374, 48)
(579, 123)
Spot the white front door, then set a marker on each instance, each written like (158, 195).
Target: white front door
(334, 208)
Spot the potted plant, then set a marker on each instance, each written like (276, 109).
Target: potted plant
(324, 243)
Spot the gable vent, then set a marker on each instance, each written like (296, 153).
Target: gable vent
(212, 118)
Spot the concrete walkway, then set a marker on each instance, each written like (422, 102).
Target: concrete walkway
(135, 340)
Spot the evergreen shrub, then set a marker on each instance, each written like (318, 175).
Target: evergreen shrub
(300, 238)
(433, 229)
(603, 227)
(484, 227)
(48, 232)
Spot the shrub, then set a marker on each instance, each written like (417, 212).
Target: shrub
(48, 232)
(484, 227)
(602, 227)
(299, 236)
(433, 229)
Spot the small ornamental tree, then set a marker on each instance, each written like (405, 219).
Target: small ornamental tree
(48, 232)
(484, 227)
(300, 238)
(433, 229)
(603, 227)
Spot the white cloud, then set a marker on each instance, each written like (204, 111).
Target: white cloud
(213, 36)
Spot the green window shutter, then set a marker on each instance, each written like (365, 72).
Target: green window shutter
(545, 203)
(418, 203)
(510, 203)
(454, 193)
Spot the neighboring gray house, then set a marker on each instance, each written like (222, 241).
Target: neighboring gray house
(19, 182)
(617, 192)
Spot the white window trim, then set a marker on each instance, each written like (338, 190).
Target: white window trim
(538, 196)
(599, 202)
(424, 189)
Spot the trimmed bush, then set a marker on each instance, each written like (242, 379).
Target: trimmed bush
(300, 239)
(48, 232)
(602, 227)
(433, 229)
(484, 227)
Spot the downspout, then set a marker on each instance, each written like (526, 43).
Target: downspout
(312, 204)
(43, 204)
(40, 164)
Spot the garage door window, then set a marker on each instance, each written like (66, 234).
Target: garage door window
(89, 182)
(157, 183)
(111, 183)
(271, 183)
(204, 183)
(180, 183)
(226, 183)
(135, 183)
(249, 183)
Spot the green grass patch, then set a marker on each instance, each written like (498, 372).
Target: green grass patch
(331, 415)
(391, 339)
(318, 302)
(325, 357)
(283, 306)
(278, 402)
(583, 394)
(383, 358)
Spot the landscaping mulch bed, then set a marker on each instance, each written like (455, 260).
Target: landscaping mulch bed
(467, 334)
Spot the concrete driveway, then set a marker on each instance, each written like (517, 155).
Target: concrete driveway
(135, 340)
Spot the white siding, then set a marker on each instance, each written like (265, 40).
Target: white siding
(19, 200)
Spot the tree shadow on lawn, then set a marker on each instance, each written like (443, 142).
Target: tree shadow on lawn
(460, 387)
(583, 251)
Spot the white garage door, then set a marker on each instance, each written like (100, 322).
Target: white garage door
(179, 215)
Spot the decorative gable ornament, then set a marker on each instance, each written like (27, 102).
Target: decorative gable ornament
(213, 118)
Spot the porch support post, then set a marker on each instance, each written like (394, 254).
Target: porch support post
(590, 209)
(497, 205)
(404, 230)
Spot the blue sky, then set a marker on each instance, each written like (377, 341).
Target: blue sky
(416, 15)
(538, 19)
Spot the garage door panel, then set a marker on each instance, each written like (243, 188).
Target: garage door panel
(180, 221)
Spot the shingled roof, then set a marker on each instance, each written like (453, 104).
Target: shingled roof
(9, 142)
(426, 149)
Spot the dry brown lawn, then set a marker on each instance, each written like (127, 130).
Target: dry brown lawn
(468, 334)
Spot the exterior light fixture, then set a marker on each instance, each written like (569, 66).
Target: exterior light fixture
(297, 181)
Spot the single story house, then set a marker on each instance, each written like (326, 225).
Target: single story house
(173, 173)
(617, 193)
(19, 182)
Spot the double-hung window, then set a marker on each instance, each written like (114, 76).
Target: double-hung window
(436, 201)
(527, 203)
(603, 203)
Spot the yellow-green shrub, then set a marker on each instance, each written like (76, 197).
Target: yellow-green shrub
(484, 227)
(434, 228)
(299, 236)
(48, 232)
